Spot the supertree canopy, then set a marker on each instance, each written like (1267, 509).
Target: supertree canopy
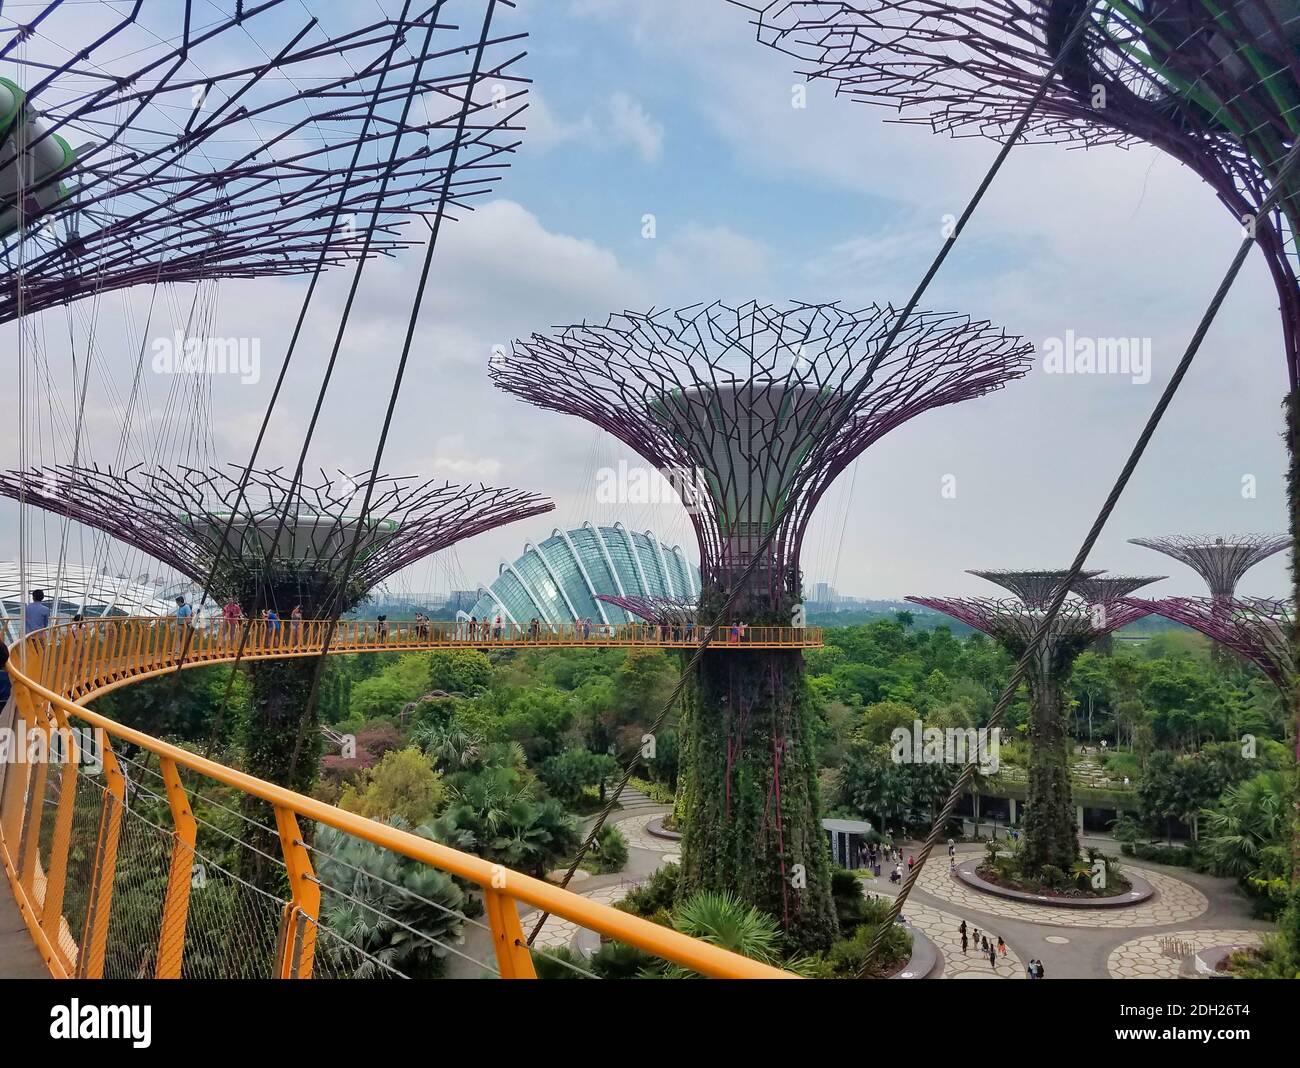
(752, 411)
(1103, 589)
(1214, 84)
(1049, 820)
(1220, 561)
(179, 514)
(1034, 588)
(661, 610)
(148, 152)
(1257, 628)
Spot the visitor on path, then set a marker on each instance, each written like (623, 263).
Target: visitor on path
(963, 938)
(911, 862)
(295, 625)
(1002, 947)
(230, 615)
(273, 625)
(896, 874)
(952, 848)
(1030, 971)
(993, 958)
(381, 630)
(962, 928)
(975, 936)
(36, 616)
(496, 629)
(1038, 967)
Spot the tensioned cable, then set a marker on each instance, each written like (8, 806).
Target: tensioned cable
(340, 587)
(1081, 558)
(246, 474)
(828, 434)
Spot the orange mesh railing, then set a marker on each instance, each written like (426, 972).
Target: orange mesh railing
(112, 841)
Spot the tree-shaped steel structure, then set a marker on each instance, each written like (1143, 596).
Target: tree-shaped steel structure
(1214, 84)
(1105, 589)
(1257, 628)
(1049, 819)
(1220, 561)
(1034, 588)
(670, 611)
(151, 152)
(179, 514)
(751, 411)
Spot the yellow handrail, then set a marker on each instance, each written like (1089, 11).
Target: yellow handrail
(69, 656)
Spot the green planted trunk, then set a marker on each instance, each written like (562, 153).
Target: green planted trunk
(752, 821)
(278, 692)
(1050, 830)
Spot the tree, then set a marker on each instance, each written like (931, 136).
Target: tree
(402, 785)
(568, 774)
(460, 671)
(402, 913)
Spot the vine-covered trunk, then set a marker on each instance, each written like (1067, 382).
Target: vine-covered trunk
(1049, 826)
(1292, 922)
(752, 806)
(277, 698)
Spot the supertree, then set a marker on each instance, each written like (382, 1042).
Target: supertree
(1213, 83)
(1220, 561)
(1106, 589)
(178, 515)
(660, 610)
(150, 153)
(1049, 822)
(753, 411)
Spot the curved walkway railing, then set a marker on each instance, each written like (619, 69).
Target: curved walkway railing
(105, 853)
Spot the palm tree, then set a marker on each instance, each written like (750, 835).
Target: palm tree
(722, 919)
(1247, 832)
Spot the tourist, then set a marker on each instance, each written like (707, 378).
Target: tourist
(36, 616)
(1002, 947)
(993, 958)
(295, 625)
(230, 615)
(586, 629)
(975, 936)
(911, 862)
(381, 630)
(1038, 968)
(962, 928)
(963, 936)
(273, 625)
(496, 629)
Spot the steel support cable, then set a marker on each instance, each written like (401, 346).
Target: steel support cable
(827, 435)
(1081, 558)
(295, 484)
(246, 475)
(267, 829)
(340, 587)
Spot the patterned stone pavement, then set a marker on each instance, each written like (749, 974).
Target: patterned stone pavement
(557, 932)
(1143, 957)
(634, 830)
(941, 928)
(1175, 902)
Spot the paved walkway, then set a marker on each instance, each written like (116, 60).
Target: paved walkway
(18, 956)
(1202, 910)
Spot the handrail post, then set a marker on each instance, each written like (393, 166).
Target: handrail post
(176, 906)
(514, 960)
(61, 844)
(94, 939)
(298, 934)
(29, 840)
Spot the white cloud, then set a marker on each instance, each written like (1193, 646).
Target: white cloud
(618, 121)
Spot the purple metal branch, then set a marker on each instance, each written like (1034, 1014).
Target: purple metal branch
(661, 610)
(177, 515)
(156, 196)
(1216, 87)
(1110, 588)
(752, 411)
(1256, 628)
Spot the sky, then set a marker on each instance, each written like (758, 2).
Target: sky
(671, 109)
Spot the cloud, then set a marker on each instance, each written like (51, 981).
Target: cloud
(619, 121)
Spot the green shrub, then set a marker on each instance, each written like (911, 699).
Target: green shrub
(1052, 876)
(658, 894)
(848, 957)
(610, 850)
(1176, 856)
(551, 964)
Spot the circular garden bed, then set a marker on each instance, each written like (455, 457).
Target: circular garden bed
(1138, 890)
